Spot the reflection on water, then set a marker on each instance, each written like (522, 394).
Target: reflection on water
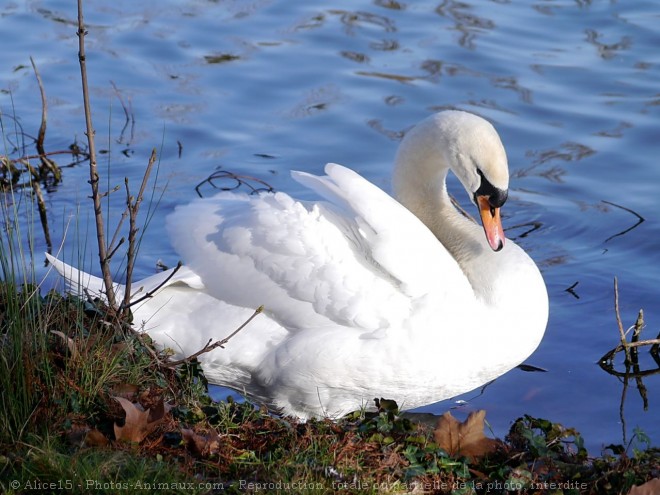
(635, 366)
(260, 88)
(466, 22)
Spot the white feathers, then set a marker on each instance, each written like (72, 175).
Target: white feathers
(363, 297)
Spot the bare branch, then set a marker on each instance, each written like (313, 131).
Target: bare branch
(93, 171)
(622, 334)
(631, 348)
(43, 216)
(130, 118)
(48, 153)
(108, 193)
(46, 162)
(113, 251)
(151, 292)
(112, 246)
(133, 209)
(121, 101)
(220, 343)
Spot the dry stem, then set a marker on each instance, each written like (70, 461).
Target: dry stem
(153, 291)
(629, 348)
(46, 162)
(93, 171)
(622, 334)
(220, 343)
(133, 207)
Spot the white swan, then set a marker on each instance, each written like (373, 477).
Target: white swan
(364, 296)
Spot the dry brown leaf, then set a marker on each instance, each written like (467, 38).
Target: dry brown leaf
(139, 423)
(125, 390)
(202, 445)
(651, 487)
(158, 412)
(76, 434)
(94, 438)
(464, 439)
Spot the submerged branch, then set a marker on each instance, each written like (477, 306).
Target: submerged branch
(630, 349)
(46, 163)
(622, 334)
(43, 214)
(640, 220)
(233, 182)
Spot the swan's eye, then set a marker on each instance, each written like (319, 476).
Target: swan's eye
(496, 196)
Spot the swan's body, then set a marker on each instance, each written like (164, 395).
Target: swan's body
(363, 297)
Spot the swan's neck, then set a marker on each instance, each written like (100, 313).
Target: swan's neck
(419, 184)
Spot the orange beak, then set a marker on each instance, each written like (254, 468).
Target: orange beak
(490, 219)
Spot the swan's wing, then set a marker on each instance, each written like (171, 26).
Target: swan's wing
(81, 283)
(394, 237)
(84, 284)
(311, 264)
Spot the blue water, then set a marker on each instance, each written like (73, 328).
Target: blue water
(264, 87)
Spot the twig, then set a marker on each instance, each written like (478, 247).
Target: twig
(130, 118)
(133, 209)
(630, 348)
(238, 181)
(627, 374)
(114, 250)
(153, 291)
(46, 162)
(108, 193)
(655, 351)
(43, 214)
(47, 153)
(639, 343)
(93, 171)
(147, 346)
(571, 290)
(622, 404)
(41, 204)
(209, 347)
(121, 101)
(640, 219)
(622, 334)
(639, 324)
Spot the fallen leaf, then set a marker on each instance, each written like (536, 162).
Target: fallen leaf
(386, 405)
(202, 445)
(139, 423)
(125, 390)
(464, 439)
(94, 438)
(651, 487)
(76, 434)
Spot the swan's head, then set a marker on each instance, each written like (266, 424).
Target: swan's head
(475, 153)
(468, 145)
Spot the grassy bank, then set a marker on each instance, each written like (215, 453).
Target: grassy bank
(90, 406)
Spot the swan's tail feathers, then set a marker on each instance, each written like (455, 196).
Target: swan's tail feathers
(81, 283)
